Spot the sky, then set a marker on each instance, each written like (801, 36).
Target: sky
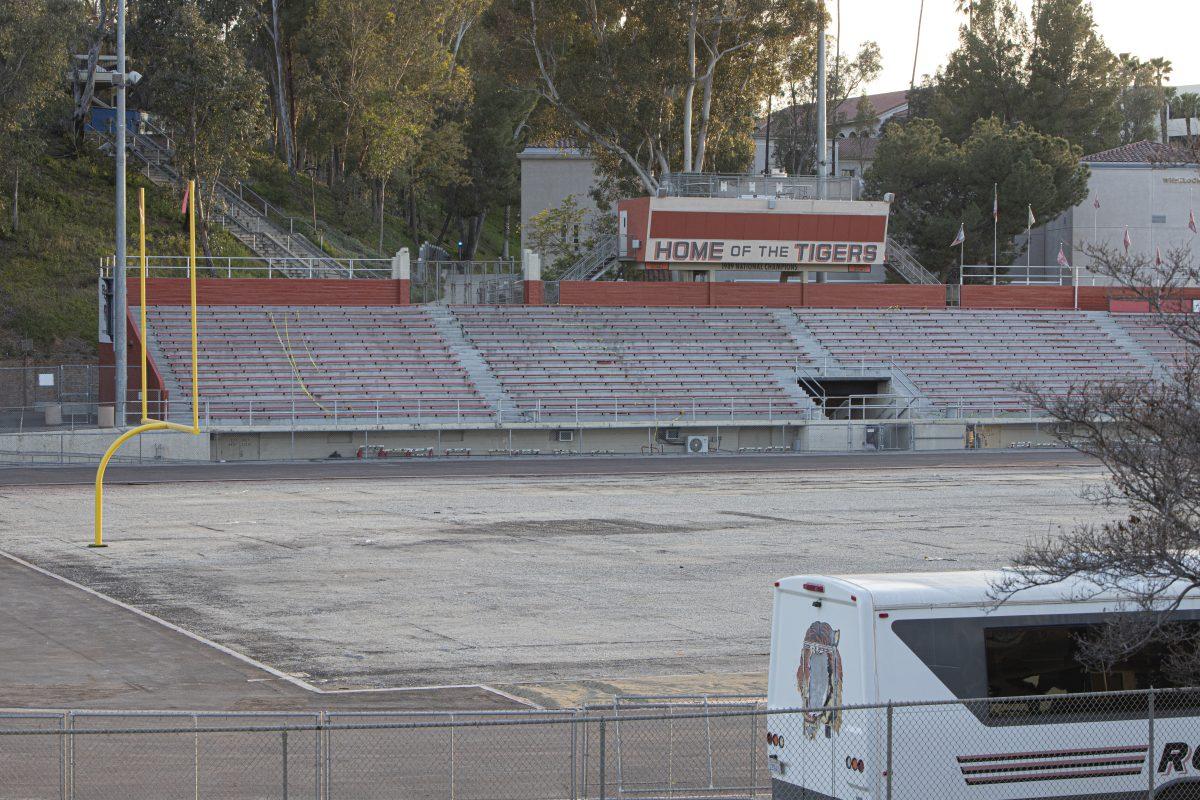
(1126, 27)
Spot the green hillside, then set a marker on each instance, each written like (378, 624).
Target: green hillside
(49, 265)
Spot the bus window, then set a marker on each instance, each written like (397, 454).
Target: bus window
(1043, 660)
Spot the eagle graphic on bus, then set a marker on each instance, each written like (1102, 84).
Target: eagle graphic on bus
(819, 680)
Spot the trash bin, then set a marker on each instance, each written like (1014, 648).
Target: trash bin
(106, 416)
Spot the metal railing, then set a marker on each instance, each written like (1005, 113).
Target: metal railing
(796, 187)
(254, 266)
(593, 264)
(1021, 275)
(1120, 743)
(906, 265)
(483, 282)
(298, 412)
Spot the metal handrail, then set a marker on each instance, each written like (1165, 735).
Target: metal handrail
(593, 264)
(906, 264)
(1027, 275)
(291, 266)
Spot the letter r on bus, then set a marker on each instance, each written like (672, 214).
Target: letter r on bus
(1173, 755)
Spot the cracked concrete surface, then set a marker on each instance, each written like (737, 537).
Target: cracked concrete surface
(659, 581)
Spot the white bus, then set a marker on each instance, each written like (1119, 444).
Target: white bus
(874, 639)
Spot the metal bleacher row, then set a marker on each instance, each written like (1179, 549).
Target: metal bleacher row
(264, 363)
(1166, 348)
(269, 362)
(978, 360)
(560, 361)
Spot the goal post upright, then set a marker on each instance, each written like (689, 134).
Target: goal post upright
(147, 422)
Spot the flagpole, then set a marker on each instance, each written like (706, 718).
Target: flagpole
(1028, 242)
(995, 227)
(1074, 274)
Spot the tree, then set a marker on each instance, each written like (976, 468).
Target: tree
(658, 86)
(985, 77)
(210, 100)
(34, 38)
(1187, 106)
(381, 73)
(1139, 101)
(1161, 68)
(1147, 436)
(558, 234)
(939, 185)
(1073, 81)
(796, 131)
(1052, 72)
(84, 92)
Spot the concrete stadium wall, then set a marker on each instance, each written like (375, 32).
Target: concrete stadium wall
(766, 295)
(822, 437)
(89, 445)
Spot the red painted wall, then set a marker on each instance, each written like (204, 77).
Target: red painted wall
(535, 293)
(1030, 297)
(1091, 298)
(877, 295)
(769, 295)
(767, 226)
(273, 292)
(632, 293)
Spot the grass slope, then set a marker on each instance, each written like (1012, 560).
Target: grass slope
(49, 266)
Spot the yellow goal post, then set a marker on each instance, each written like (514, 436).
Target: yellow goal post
(148, 423)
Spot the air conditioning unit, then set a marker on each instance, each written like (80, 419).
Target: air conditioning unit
(564, 436)
(697, 444)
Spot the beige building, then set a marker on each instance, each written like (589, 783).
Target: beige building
(1148, 187)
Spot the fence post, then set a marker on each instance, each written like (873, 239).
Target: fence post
(574, 753)
(452, 743)
(889, 750)
(1150, 732)
(602, 757)
(196, 754)
(283, 737)
(71, 755)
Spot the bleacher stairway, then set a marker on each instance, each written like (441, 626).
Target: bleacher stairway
(474, 363)
(1117, 333)
(237, 209)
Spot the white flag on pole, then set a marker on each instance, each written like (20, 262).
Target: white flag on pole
(1032, 218)
(1127, 241)
(961, 237)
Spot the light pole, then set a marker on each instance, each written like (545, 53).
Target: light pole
(120, 346)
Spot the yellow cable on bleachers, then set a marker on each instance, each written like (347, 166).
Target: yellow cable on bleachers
(287, 351)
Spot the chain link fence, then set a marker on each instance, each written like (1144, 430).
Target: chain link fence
(1113, 745)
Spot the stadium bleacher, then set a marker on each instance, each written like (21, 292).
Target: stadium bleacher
(978, 360)
(560, 363)
(1157, 338)
(565, 361)
(270, 362)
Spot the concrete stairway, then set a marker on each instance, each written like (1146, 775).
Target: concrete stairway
(451, 331)
(1132, 346)
(803, 337)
